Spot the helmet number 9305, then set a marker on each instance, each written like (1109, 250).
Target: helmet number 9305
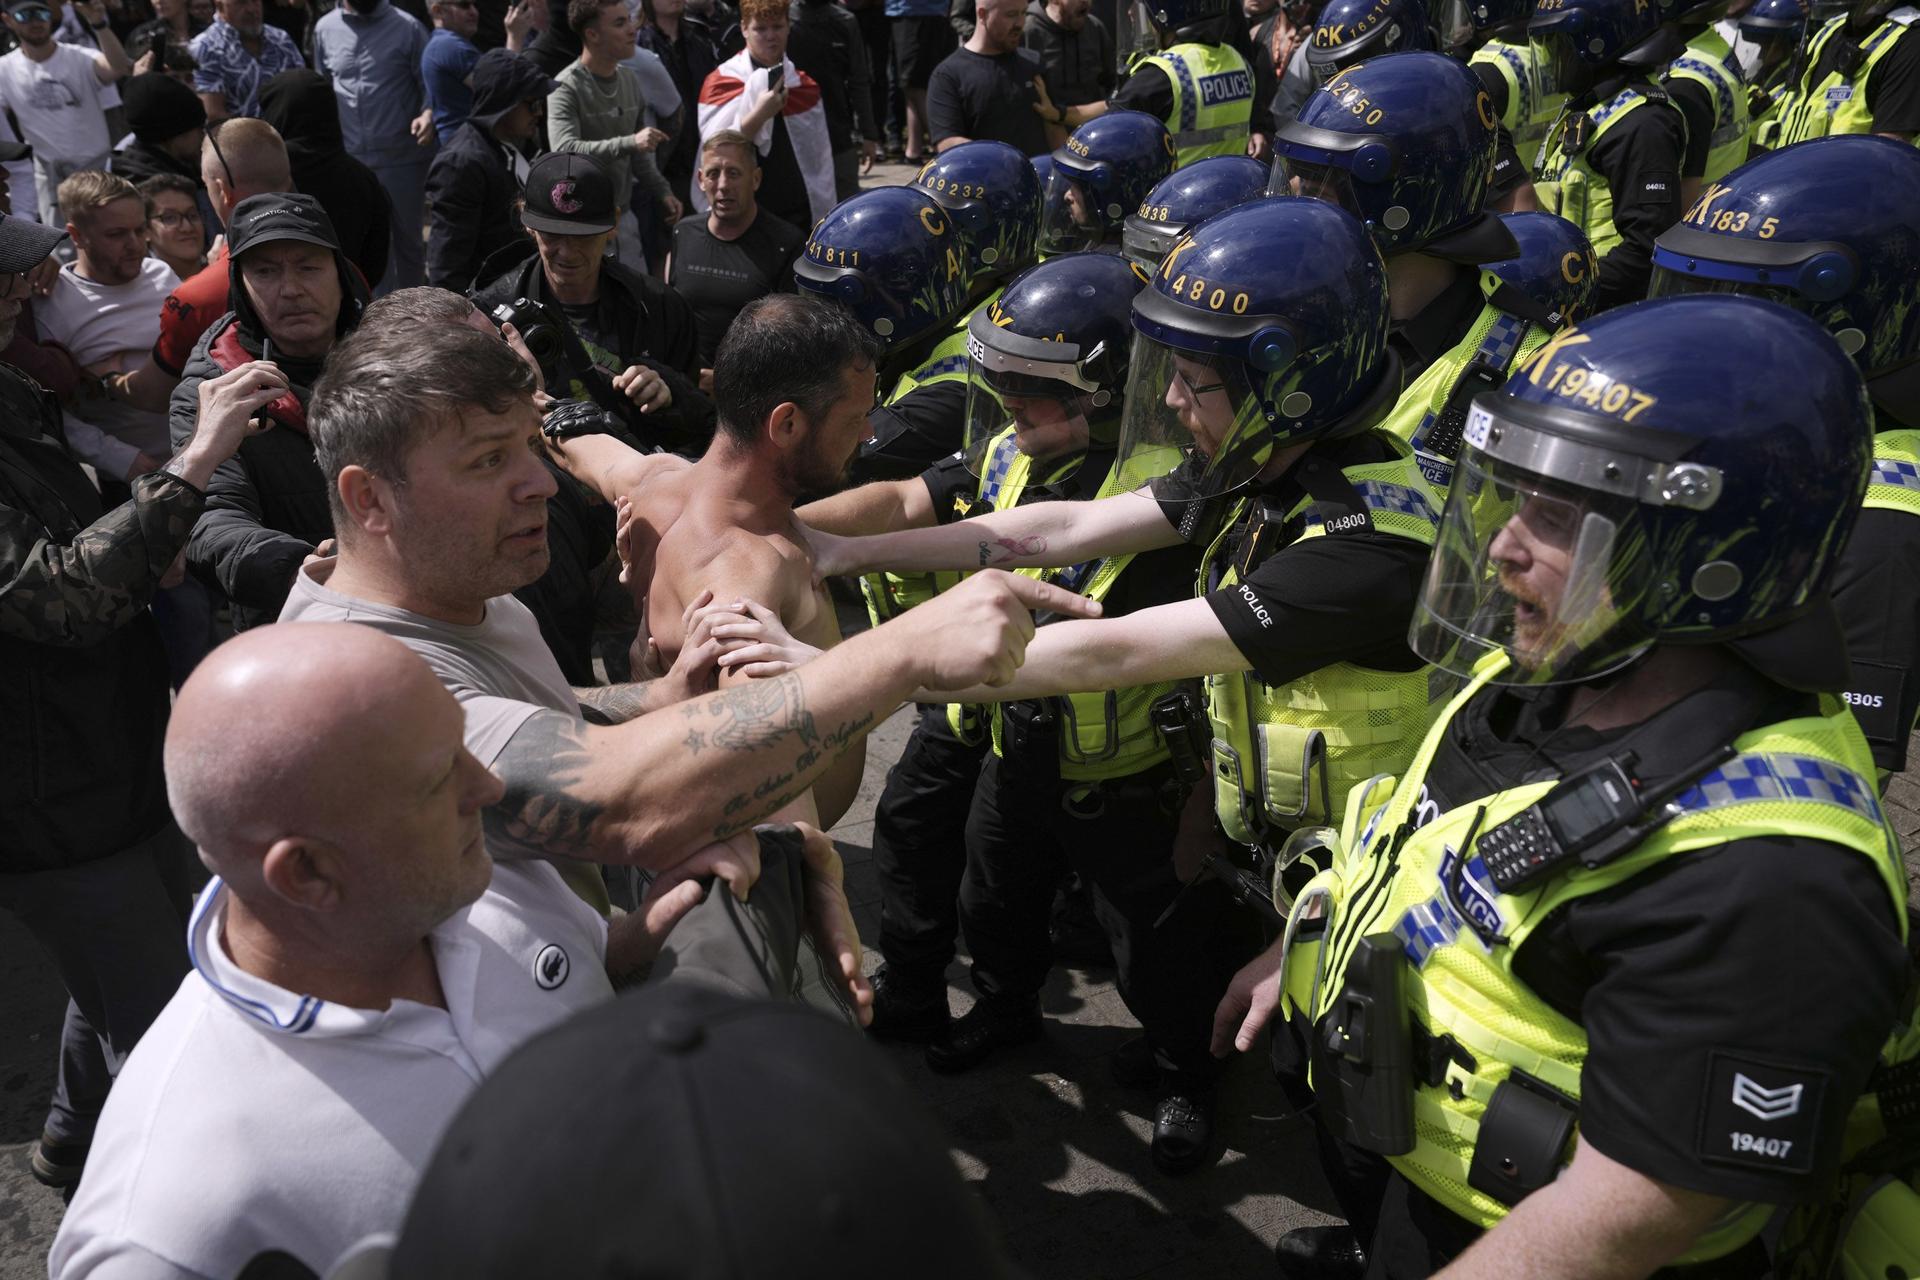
(1195, 289)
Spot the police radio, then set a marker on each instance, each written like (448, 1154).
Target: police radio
(1594, 816)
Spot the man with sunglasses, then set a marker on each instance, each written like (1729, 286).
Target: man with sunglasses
(56, 92)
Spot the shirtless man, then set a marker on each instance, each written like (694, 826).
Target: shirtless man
(793, 381)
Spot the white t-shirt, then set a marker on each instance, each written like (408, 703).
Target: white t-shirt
(59, 103)
(99, 322)
(252, 1118)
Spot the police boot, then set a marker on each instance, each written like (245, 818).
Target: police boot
(991, 1024)
(1320, 1253)
(1183, 1124)
(907, 1011)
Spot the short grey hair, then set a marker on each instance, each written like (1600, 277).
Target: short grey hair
(388, 388)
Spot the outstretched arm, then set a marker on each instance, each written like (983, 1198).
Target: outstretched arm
(653, 790)
(1167, 642)
(885, 506)
(1038, 534)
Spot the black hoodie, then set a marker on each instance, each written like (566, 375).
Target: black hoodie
(1079, 64)
(266, 505)
(471, 185)
(302, 106)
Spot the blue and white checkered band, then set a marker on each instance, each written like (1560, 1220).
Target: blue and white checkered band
(1894, 472)
(1381, 496)
(1189, 94)
(1495, 351)
(1755, 779)
(1725, 126)
(1074, 576)
(1004, 453)
(941, 368)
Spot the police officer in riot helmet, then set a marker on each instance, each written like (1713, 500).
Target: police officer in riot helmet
(993, 194)
(1611, 163)
(899, 261)
(1862, 75)
(1595, 984)
(1100, 175)
(1556, 266)
(1186, 198)
(1047, 361)
(1406, 142)
(1260, 368)
(1828, 228)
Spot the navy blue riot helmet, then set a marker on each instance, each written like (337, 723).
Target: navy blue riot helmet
(1265, 326)
(1631, 486)
(1557, 267)
(1348, 32)
(1404, 142)
(1771, 21)
(1046, 362)
(994, 197)
(1579, 39)
(1100, 176)
(1189, 195)
(1201, 20)
(1465, 25)
(1827, 227)
(891, 255)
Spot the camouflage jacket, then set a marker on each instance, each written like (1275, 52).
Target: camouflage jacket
(83, 680)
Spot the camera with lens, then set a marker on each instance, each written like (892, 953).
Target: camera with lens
(538, 328)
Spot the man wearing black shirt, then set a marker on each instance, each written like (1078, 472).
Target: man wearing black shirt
(686, 45)
(1075, 48)
(739, 252)
(825, 43)
(985, 89)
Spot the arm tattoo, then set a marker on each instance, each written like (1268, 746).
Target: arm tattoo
(749, 716)
(546, 757)
(613, 703)
(1002, 549)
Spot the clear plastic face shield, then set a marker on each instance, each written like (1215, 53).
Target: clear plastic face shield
(1541, 553)
(1194, 411)
(1321, 164)
(1145, 244)
(1454, 20)
(1029, 397)
(1557, 54)
(1805, 275)
(1073, 216)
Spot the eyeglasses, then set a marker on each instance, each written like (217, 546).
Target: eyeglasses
(213, 140)
(171, 218)
(1200, 389)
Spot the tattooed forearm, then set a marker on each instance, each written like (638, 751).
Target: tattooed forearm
(775, 791)
(747, 717)
(1000, 550)
(614, 703)
(540, 763)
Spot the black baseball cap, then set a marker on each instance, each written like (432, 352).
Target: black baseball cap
(680, 1132)
(569, 195)
(279, 215)
(25, 244)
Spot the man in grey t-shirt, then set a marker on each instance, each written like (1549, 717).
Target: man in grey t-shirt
(439, 503)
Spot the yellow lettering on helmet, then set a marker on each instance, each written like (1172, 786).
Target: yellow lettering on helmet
(1000, 318)
(1573, 266)
(1483, 103)
(1328, 37)
(953, 264)
(935, 224)
(1173, 255)
(1536, 364)
(1700, 207)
